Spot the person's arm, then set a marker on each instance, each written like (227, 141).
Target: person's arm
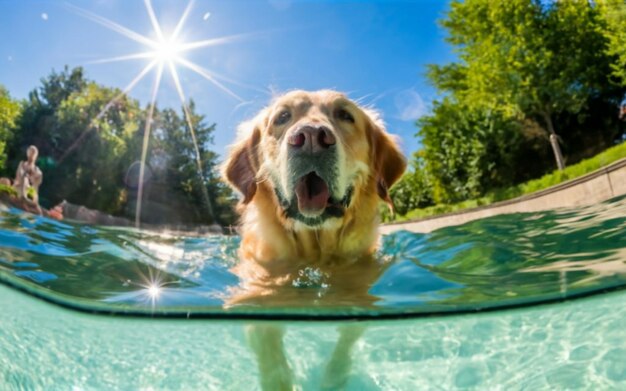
(20, 182)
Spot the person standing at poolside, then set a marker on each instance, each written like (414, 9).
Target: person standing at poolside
(28, 178)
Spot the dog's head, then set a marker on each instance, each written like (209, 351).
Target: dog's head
(316, 151)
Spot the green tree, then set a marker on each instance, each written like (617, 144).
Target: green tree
(185, 188)
(529, 58)
(39, 111)
(10, 111)
(467, 151)
(614, 13)
(91, 157)
(414, 189)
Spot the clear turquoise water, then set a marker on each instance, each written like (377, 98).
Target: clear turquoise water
(461, 308)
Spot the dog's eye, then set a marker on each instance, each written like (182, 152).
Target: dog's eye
(344, 115)
(282, 118)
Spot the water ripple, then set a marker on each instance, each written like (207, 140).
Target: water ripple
(498, 261)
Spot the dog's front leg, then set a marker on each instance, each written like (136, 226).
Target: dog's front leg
(266, 341)
(340, 363)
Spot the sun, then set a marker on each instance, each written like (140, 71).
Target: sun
(168, 50)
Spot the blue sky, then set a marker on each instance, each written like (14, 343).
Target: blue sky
(375, 51)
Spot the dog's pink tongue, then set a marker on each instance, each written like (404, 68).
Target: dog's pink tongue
(312, 193)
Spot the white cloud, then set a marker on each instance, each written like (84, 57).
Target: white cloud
(409, 105)
(44, 16)
(206, 16)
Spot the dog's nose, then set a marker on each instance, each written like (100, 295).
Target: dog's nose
(312, 139)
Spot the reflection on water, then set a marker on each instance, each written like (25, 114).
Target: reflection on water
(499, 261)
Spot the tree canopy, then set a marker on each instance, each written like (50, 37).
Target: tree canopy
(614, 12)
(529, 58)
(10, 111)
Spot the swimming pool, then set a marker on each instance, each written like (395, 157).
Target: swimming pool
(524, 301)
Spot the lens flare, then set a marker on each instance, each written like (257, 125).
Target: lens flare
(154, 291)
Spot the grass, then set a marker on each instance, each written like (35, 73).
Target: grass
(554, 178)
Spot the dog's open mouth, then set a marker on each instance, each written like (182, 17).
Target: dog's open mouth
(313, 194)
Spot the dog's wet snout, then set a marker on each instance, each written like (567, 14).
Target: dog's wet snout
(312, 139)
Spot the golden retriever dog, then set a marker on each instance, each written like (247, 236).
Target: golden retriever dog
(312, 168)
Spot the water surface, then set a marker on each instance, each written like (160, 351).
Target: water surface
(497, 262)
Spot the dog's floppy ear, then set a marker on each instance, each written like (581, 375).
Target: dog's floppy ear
(241, 167)
(388, 161)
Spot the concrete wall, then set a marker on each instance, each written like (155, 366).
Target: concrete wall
(598, 186)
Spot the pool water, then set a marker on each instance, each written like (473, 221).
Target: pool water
(523, 301)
